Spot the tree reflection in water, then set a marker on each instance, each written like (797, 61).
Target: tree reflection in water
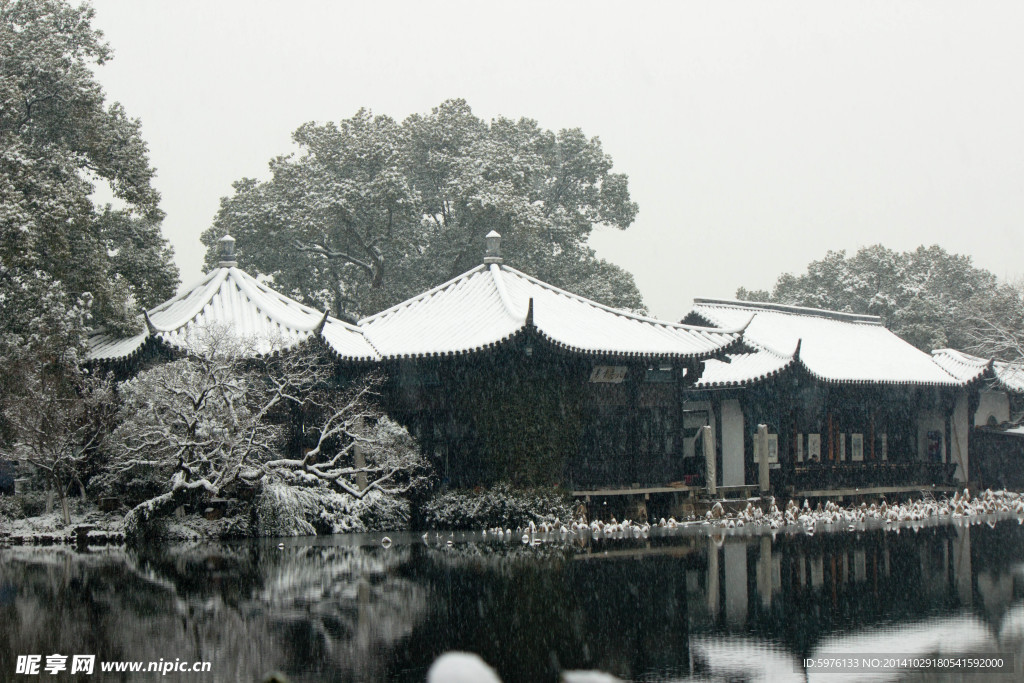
(673, 607)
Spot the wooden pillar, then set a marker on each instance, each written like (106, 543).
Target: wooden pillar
(873, 412)
(676, 457)
(831, 441)
(947, 439)
(633, 379)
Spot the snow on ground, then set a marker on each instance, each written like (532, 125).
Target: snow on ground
(53, 523)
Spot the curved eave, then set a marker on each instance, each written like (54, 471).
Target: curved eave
(953, 383)
(346, 358)
(639, 355)
(120, 358)
(1008, 388)
(181, 351)
(978, 379)
(454, 353)
(763, 377)
(566, 348)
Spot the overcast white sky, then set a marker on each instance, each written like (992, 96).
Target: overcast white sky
(756, 135)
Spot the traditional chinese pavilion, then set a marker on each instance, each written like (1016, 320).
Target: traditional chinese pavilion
(848, 405)
(500, 375)
(503, 376)
(228, 296)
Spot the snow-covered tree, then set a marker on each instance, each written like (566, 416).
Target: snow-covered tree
(925, 295)
(996, 327)
(52, 414)
(65, 264)
(373, 211)
(59, 140)
(59, 426)
(221, 420)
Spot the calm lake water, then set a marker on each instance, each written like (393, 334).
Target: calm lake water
(680, 606)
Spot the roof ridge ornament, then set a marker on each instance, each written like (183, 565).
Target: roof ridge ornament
(227, 252)
(493, 253)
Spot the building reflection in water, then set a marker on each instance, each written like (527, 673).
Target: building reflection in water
(721, 607)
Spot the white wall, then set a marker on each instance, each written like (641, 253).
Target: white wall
(732, 444)
(992, 404)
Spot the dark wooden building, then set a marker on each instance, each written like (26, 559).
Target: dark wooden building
(502, 376)
(847, 404)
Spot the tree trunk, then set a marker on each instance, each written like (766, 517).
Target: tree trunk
(64, 509)
(62, 495)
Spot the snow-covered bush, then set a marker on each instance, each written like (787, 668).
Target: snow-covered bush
(219, 422)
(501, 505)
(11, 508)
(282, 510)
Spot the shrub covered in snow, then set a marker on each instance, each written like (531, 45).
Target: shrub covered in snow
(217, 424)
(282, 510)
(11, 508)
(498, 506)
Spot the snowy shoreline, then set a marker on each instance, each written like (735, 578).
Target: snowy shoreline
(987, 506)
(792, 518)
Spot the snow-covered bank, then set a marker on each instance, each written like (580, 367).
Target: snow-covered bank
(47, 529)
(791, 518)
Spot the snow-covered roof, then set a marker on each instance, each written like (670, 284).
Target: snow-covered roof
(1008, 376)
(232, 298)
(833, 347)
(743, 368)
(963, 366)
(107, 347)
(479, 309)
(493, 302)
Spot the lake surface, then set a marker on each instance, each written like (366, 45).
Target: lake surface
(686, 605)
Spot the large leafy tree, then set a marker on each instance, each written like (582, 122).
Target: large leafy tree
(372, 211)
(928, 296)
(59, 140)
(66, 264)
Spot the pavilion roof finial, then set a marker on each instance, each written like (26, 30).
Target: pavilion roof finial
(493, 253)
(227, 252)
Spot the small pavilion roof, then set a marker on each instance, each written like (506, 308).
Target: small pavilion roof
(834, 347)
(253, 311)
(493, 302)
(479, 309)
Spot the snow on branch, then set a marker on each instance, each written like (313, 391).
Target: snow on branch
(221, 419)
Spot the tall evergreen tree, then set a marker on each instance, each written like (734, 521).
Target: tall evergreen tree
(373, 211)
(928, 296)
(59, 139)
(67, 265)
